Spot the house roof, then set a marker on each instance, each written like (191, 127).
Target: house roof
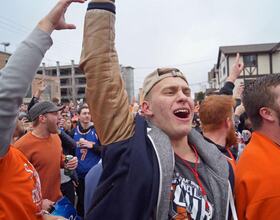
(251, 48)
(247, 49)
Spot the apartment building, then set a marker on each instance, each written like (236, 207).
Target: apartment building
(53, 85)
(73, 81)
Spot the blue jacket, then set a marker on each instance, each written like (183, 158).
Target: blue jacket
(127, 179)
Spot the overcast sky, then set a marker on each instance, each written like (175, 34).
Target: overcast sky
(154, 33)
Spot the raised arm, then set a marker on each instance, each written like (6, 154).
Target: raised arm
(235, 72)
(106, 95)
(18, 73)
(41, 85)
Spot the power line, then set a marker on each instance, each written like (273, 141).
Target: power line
(182, 64)
(13, 26)
(10, 29)
(7, 23)
(14, 22)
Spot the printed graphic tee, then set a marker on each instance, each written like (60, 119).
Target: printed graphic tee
(187, 201)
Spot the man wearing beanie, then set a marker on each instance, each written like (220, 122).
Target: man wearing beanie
(154, 166)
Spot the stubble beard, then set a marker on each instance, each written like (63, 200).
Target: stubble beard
(231, 139)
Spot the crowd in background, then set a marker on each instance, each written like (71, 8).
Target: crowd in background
(169, 157)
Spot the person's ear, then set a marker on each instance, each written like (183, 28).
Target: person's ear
(42, 118)
(267, 114)
(228, 122)
(146, 108)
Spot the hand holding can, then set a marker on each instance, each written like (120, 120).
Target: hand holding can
(85, 143)
(67, 171)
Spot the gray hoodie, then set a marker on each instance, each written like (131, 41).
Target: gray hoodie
(15, 79)
(216, 166)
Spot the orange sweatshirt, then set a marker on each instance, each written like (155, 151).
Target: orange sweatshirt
(20, 191)
(257, 186)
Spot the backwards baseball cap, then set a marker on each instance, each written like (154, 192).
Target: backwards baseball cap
(159, 74)
(41, 108)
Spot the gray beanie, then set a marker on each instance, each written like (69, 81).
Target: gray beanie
(41, 108)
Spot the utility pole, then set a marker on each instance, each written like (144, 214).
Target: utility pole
(5, 44)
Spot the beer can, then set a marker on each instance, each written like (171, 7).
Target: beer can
(68, 172)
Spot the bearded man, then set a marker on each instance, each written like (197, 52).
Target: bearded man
(217, 119)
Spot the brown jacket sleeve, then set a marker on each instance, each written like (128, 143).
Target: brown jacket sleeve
(105, 92)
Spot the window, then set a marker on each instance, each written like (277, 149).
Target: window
(65, 72)
(48, 72)
(81, 81)
(250, 60)
(81, 91)
(53, 72)
(78, 71)
(224, 70)
(65, 82)
(66, 91)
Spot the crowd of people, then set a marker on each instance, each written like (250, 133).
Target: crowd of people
(165, 158)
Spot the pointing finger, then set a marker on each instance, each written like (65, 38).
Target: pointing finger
(237, 58)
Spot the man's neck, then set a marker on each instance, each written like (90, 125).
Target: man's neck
(272, 132)
(85, 125)
(40, 132)
(182, 148)
(218, 137)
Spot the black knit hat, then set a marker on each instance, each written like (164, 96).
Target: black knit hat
(41, 108)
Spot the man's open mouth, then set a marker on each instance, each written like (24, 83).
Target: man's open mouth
(182, 113)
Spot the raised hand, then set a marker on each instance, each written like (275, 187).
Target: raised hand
(55, 19)
(236, 69)
(239, 110)
(41, 85)
(86, 144)
(239, 91)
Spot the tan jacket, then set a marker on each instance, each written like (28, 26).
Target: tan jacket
(105, 92)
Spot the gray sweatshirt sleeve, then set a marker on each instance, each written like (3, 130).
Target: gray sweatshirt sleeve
(15, 79)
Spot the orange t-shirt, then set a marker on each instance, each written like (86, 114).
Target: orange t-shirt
(257, 186)
(20, 190)
(45, 154)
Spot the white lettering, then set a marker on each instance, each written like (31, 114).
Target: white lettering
(194, 209)
(28, 170)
